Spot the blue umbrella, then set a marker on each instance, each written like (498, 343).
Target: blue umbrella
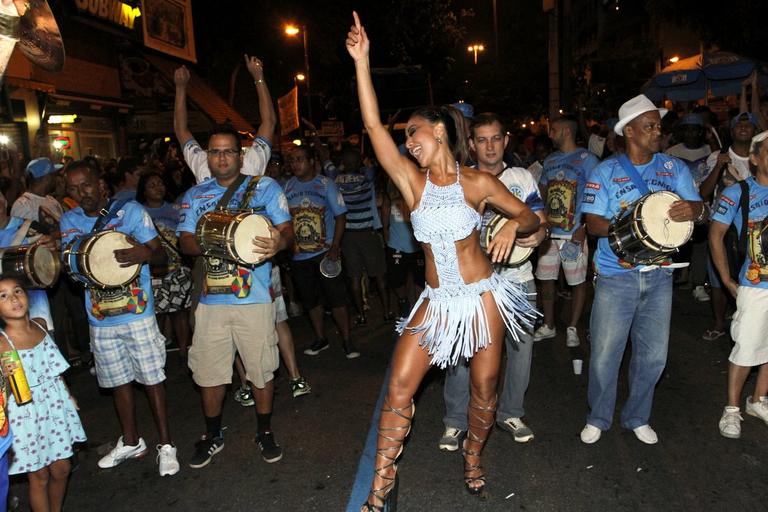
(691, 79)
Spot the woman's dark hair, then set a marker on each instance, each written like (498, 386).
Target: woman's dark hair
(454, 124)
(143, 180)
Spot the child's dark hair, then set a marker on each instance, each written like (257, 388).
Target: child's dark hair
(18, 281)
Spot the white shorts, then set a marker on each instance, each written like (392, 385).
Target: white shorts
(749, 327)
(281, 314)
(550, 261)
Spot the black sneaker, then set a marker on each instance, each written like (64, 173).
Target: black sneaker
(318, 346)
(270, 450)
(205, 449)
(350, 350)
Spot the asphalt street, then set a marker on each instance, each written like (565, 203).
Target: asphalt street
(323, 435)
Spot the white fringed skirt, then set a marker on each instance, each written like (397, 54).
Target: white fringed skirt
(455, 323)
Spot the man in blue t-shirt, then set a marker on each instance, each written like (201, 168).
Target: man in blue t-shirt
(750, 322)
(319, 218)
(236, 312)
(562, 185)
(127, 344)
(362, 246)
(631, 299)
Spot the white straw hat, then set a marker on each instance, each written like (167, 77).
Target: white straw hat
(633, 108)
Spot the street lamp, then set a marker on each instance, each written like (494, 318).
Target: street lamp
(300, 77)
(474, 49)
(291, 31)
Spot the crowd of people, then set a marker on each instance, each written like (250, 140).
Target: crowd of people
(430, 225)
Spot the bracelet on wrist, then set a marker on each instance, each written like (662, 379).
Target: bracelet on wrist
(259, 81)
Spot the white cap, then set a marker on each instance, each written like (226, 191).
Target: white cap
(633, 108)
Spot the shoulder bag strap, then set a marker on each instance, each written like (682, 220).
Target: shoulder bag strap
(633, 174)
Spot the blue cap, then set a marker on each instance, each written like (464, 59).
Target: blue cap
(40, 167)
(692, 120)
(744, 116)
(466, 109)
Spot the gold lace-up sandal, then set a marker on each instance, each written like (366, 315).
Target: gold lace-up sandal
(480, 423)
(393, 436)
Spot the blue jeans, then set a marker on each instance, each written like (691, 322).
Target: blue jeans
(636, 304)
(516, 377)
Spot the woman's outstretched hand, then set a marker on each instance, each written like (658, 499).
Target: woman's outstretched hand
(357, 40)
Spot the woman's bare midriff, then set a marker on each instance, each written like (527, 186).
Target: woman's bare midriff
(473, 262)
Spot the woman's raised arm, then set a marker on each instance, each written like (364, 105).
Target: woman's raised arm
(399, 168)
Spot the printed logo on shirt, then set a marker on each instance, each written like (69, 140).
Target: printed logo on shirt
(561, 204)
(225, 277)
(757, 271)
(722, 209)
(728, 200)
(621, 180)
(662, 173)
(669, 165)
(594, 186)
(589, 198)
(309, 228)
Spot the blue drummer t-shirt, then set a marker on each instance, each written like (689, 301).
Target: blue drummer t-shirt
(38, 299)
(754, 272)
(166, 219)
(227, 282)
(314, 205)
(609, 191)
(563, 179)
(120, 305)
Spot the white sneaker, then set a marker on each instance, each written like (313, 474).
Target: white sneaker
(758, 409)
(572, 337)
(730, 422)
(544, 333)
(700, 294)
(646, 434)
(121, 452)
(166, 459)
(450, 440)
(590, 434)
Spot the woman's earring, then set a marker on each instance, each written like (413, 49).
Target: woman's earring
(439, 140)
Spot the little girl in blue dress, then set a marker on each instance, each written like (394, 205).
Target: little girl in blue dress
(45, 428)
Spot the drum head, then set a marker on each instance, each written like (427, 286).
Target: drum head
(46, 266)
(250, 225)
(656, 224)
(102, 263)
(330, 268)
(518, 255)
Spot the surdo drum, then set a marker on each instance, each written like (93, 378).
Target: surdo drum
(645, 234)
(518, 255)
(36, 265)
(90, 259)
(229, 235)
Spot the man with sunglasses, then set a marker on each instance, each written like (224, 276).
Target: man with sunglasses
(631, 300)
(256, 157)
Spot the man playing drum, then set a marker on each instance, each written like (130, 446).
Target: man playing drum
(750, 322)
(488, 140)
(631, 300)
(127, 344)
(236, 312)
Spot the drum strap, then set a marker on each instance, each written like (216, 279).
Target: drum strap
(107, 214)
(231, 189)
(250, 189)
(21, 233)
(630, 170)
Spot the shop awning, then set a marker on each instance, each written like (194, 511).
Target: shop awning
(204, 97)
(33, 85)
